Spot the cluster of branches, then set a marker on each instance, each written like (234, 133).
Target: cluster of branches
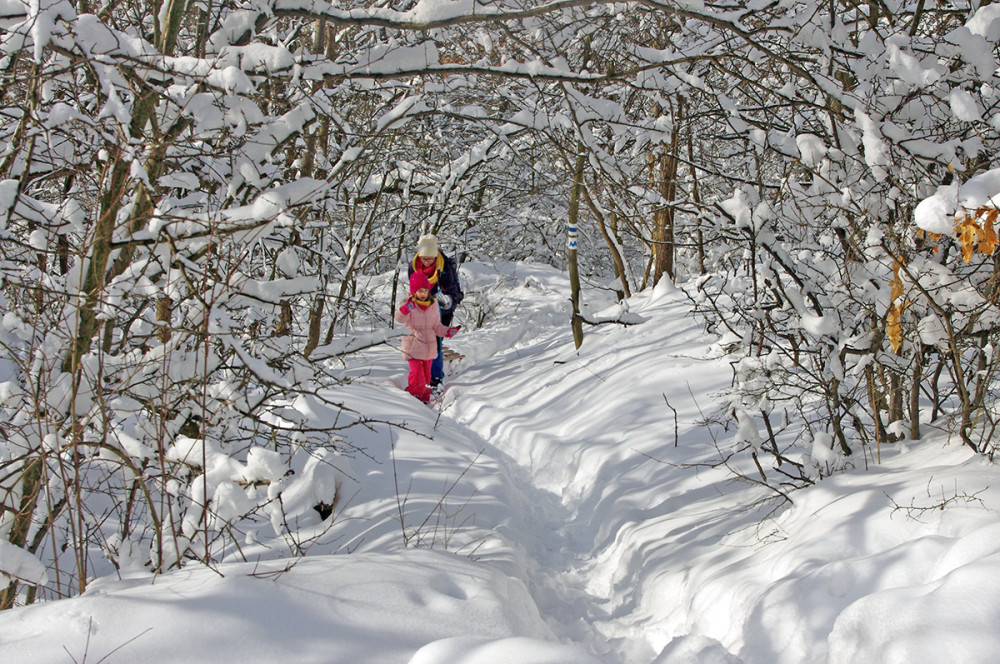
(856, 328)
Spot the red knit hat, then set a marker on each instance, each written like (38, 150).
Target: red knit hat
(419, 280)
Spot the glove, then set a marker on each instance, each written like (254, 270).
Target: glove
(444, 300)
(452, 331)
(407, 307)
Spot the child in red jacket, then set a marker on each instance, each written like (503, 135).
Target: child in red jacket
(421, 315)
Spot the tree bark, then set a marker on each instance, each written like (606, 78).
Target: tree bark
(574, 273)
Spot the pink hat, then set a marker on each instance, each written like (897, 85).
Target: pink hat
(419, 280)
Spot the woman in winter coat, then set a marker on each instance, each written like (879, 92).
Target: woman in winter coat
(420, 314)
(440, 270)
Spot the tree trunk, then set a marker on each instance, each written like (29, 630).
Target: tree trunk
(915, 393)
(571, 232)
(613, 245)
(31, 484)
(664, 176)
(663, 223)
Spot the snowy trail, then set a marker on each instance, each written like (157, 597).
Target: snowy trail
(550, 562)
(636, 543)
(567, 519)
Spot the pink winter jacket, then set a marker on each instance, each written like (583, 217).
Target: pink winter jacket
(426, 327)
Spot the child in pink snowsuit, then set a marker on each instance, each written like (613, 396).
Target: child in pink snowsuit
(421, 315)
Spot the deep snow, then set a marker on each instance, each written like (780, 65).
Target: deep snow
(553, 509)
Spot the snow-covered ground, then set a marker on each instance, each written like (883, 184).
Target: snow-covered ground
(566, 507)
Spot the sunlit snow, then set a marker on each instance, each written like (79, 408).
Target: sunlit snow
(564, 506)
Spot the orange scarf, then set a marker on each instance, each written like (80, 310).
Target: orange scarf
(431, 272)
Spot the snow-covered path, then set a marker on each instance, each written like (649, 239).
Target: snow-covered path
(572, 456)
(656, 551)
(591, 449)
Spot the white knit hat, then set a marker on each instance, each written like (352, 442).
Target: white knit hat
(427, 245)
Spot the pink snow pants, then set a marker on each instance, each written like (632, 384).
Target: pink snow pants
(420, 378)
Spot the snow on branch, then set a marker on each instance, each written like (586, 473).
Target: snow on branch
(616, 315)
(425, 15)
(17, 563)
(355, 343)
(940, 212)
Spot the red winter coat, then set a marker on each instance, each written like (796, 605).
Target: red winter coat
(425, 326)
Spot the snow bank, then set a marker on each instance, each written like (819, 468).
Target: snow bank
(375, 608)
